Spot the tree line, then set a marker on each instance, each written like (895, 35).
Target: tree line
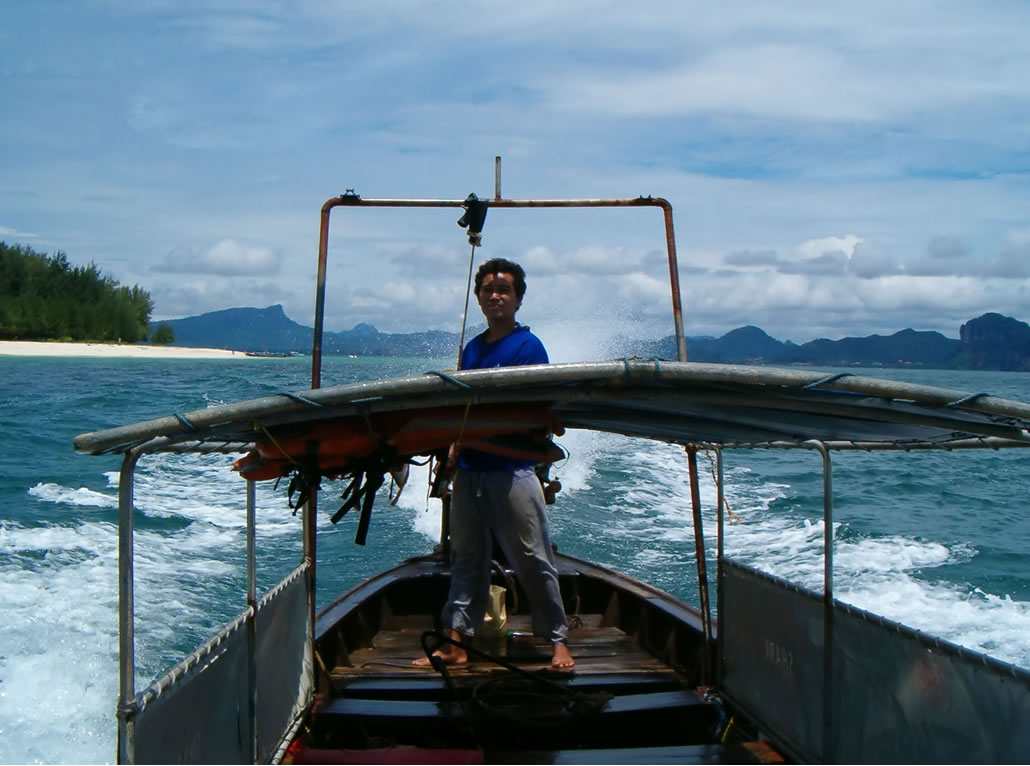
(43, 297)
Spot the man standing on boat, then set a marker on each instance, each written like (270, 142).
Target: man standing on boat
(500, 495)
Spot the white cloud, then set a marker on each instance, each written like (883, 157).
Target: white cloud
(6, 231)
(944, 256)
(540, 260)
(813, 248)
(752, 258)
(597, 259)
(832, 262)
(644, 292)
(225, 258)
(869, 260)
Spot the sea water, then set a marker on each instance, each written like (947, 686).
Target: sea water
(937, 541)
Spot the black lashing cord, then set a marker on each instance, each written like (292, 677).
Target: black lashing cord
(577, 702)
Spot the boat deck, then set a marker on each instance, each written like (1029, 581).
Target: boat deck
(596, 649)
(628, 704)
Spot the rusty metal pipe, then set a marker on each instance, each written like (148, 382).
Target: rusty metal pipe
(674, 282)
(353, 200)
(323, 258)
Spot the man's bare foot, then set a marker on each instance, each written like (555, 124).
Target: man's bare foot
(562, 657)
(449, 653)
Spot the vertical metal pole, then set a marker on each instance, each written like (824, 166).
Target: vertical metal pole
(126, 639)
(316, 335)
(674, 283)
(828, 649)
(719, 551)
(702, 573)
(465, 311)
(497, 177)
(311, 508)
(720, 499)
(252, 669)
(309, 524)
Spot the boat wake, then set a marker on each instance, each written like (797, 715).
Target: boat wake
(56, 710)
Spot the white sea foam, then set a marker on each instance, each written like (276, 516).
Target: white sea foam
(80, 497)
(58, 672)
(890, 575)
(58, 585)
(58, 648)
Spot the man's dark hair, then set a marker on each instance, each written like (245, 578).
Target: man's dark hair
(499, 265)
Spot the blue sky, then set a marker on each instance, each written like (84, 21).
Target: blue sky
(836, 169)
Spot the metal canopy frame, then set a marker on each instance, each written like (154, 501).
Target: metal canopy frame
(350, 199)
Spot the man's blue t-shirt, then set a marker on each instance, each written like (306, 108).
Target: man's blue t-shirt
(520, 346)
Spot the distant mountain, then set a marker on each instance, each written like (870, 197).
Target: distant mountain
(269, 329)
(243, 329)
(928, 349)
(994, 342)
(989, 342)
(744, 345)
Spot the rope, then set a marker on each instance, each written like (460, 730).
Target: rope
(299, 398)
(182, 419)
(464, 419)
(259, 427)
(827, 379)
(715, 481)
(964, 399)
(465, 313)
(449, 378)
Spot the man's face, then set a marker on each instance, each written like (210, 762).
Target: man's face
(497, 296)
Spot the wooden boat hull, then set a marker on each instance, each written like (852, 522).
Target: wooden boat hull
(636, 693)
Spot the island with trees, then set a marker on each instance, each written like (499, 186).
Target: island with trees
(44, 297)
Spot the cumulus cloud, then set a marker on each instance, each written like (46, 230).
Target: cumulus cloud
(869, 260)
(190, 296)
(226, 258)
(830, 263)
(944, 256)
(644, 291)
(598, 259)
(752, 258)
(540, 260)
(812, 248)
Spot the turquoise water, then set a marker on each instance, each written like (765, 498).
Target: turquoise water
(937, 541)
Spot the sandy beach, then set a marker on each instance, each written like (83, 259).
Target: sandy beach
(29, 348)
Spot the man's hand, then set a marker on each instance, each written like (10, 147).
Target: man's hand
(443, 472)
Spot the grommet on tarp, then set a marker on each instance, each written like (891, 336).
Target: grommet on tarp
(474, 218)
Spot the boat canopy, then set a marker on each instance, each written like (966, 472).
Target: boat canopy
(717, 405)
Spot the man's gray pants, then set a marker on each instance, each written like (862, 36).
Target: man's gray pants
(511, 505)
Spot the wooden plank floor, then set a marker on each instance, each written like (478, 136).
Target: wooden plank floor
(596, 649)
